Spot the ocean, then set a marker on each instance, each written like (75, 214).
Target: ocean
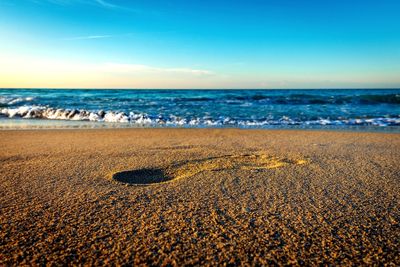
(360, 109)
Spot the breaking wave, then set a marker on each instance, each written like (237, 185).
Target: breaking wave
(41, 112)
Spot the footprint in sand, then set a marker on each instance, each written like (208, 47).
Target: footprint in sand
(193, 167)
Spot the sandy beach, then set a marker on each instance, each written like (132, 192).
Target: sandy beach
(199, 197)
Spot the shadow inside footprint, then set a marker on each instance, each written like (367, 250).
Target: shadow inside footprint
(141, 177)
(187, 169)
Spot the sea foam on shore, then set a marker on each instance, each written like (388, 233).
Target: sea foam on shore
(37, 112)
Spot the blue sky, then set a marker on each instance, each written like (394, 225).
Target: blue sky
(200, 44)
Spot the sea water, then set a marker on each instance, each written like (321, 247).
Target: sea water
(92, 108)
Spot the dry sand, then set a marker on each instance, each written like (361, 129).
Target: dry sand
(207, 196)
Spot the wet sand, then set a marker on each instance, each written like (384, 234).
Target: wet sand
(199, 196)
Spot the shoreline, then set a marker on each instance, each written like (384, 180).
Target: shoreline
(83, 125)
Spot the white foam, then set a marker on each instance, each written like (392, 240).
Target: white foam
(14, 100)
(41, 112)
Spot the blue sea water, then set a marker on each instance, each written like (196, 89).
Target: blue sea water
(200, 108)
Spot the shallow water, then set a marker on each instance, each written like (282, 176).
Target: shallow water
(82, 108)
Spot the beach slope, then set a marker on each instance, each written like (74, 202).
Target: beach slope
(199, 196)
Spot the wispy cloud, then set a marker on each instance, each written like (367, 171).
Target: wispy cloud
(96, 36)
(65, 66)
(99, 3)
(106, 4)
(126, 7)
(131, 68)
(109, 5)
(88, 37)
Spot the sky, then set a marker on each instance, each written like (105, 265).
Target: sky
(199, 44)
